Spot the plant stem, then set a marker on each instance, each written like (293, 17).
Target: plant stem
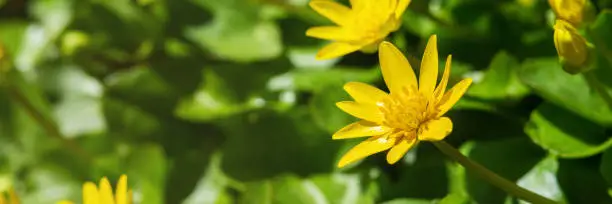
(490, 176)
(598, 87)
(49, 126)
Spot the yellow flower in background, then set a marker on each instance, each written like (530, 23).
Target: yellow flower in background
(104, 194)
(360, 27)
(11, 199)
(569, 10)
(412, 112)
(571, 46)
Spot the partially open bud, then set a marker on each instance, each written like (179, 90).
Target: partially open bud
(569, 10)
(572, 48)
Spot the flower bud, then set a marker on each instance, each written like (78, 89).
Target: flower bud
(571, 47)
(569, 10)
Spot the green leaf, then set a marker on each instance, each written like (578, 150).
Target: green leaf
(601, 28)
(148, 166)
(315, 79)
(54, 16)
(572, 92)
(12, 35)
(409, 201)
(213, 100)
(211, 188)
(454, 198)
(606, 166)
(324, 111)
(79, 110)
(341, 188)
(283, 189)
(581, 181)
(51, 183)
(541, 179)
(263, 144)
(322, 188)
(140, 86)
(420, 174)
(238, 32)
(566, 134)
(500, 80)
(511, 158)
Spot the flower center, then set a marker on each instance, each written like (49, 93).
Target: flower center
(407, 110)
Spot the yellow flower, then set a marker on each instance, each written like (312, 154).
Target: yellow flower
(12, 197)
(360, 27)
(412, 112)
(104, 195)
(569, 10)
(571, 46)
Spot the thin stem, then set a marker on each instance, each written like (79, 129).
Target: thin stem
(490, 176)
(49, 127)
(598, 87)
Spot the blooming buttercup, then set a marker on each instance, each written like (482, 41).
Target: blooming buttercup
(104, 194)
(360, 27)
(571, 47)
(412, 111)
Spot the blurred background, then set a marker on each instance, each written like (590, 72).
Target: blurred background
(221, 101)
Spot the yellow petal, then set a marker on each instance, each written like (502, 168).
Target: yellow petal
(336, 49)
(13, 198)
(121, 191)
(356, 4)
(401, 7)
(3, 199)
(366, 148)
(106, 192)
(396, 70)
(63, 202)
(452, 96)
(363, 111)
(361, 129)
(444, 81)
(364, 93)
(335, 12)
(330, 33)
(90, 194)
(435, 130)
(130, 194)
(399, 150)
(429, 68)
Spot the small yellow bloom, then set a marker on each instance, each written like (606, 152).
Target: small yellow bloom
(571, 46)
(569, 10)
(360, 27)
(11, 199)
(410, 113)
(104, 195)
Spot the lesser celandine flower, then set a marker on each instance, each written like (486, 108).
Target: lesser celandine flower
(412, 112)
(104, 193)
(360, 27)
(571, 47)
(10, 197)
(569, 10)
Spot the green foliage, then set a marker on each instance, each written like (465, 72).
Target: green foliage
(208, 101)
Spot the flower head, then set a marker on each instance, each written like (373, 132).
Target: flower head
(412, 111)
(104, 194)
(11, 197)
(569, 10)
(360, 27)
(571, 47)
